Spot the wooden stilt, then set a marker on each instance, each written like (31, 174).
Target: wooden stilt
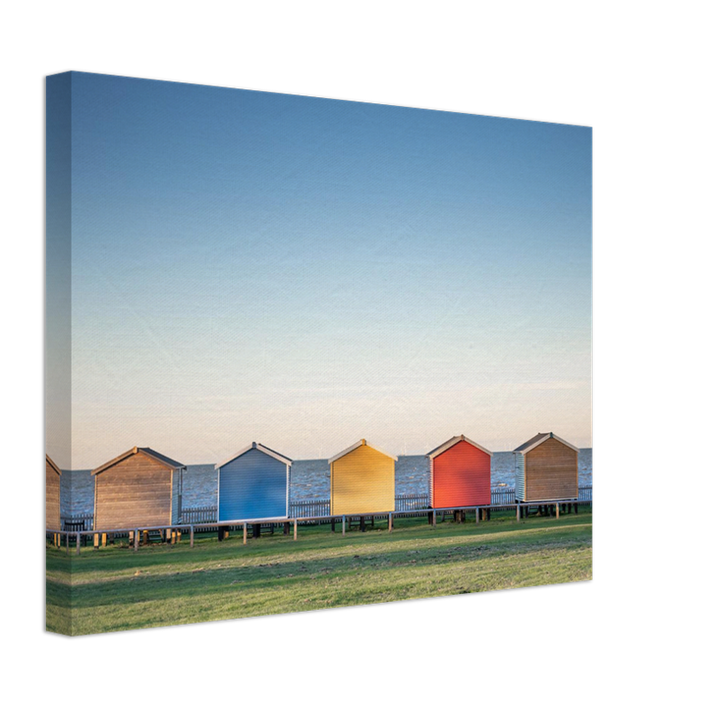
(137, 539)
(146, 537)
(518, 512)
(295, 529)
(343, 525)
(576, 509)
(244, 533)
(221, 533)
(557, 510)
(256, 530)
(192, 536)
(77, 543)
(362, 524)
(477, 516)
(434, 519)
(430, 518)
(390, 523)
(96, 541)
(104, 540)
(286, 528)
(332, 525)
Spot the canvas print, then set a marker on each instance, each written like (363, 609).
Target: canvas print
(305, 353)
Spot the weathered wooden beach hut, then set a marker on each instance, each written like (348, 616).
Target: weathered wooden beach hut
(140, 488)
(362, 480)
(546, 469)
(459, 474)
(254, 484)
(52, 494)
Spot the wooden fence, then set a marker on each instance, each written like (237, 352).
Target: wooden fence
(77, 522)
(82, 522)
(199, 514)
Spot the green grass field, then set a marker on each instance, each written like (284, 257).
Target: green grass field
(115, 589)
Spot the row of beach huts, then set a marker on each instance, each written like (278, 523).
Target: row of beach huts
(142, 488)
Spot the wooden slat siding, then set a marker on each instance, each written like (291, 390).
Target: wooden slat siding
(461, 477)
(175, 512)
(254, 485)
(363, 481)
(136, 491)
(52, 498)
(551, 471)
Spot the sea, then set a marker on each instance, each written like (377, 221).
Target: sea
(309, 480)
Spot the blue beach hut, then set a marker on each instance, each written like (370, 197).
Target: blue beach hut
(254, 484)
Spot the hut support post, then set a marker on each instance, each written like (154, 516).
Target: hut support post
(104, 540)
(295, 529)
(244, 533)
(137, 539)
(390, 523)
(192, 536)
(477, 516)
(67, 543)
(77, 543)
(332, 524)
(434, 518)
(557, 510)
(517, 513)
(343, 525)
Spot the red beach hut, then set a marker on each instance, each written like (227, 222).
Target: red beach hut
(459, 474)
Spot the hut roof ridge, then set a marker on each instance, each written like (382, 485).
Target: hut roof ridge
(171, 463)
(53, 465)
(261, 448)
(360, 443)
(539, 438)
(452, 442)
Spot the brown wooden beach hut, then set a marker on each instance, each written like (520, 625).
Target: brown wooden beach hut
(52, 494)
(546, 469)
(140, 488)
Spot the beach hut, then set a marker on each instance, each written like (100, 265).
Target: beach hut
(546, 469)
(459, 474)
(140, 488)
(362, 480)
(254, 484)
(52, 494)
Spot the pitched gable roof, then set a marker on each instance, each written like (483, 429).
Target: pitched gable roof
(261, 448)
(167, 461)
(538, 439)
(53, 465)
(452, 442)
(352, 448)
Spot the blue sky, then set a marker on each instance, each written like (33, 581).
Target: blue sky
(305, 272)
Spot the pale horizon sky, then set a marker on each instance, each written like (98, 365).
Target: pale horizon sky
(303, 272)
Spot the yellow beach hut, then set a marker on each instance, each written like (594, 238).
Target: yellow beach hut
(362, 480)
